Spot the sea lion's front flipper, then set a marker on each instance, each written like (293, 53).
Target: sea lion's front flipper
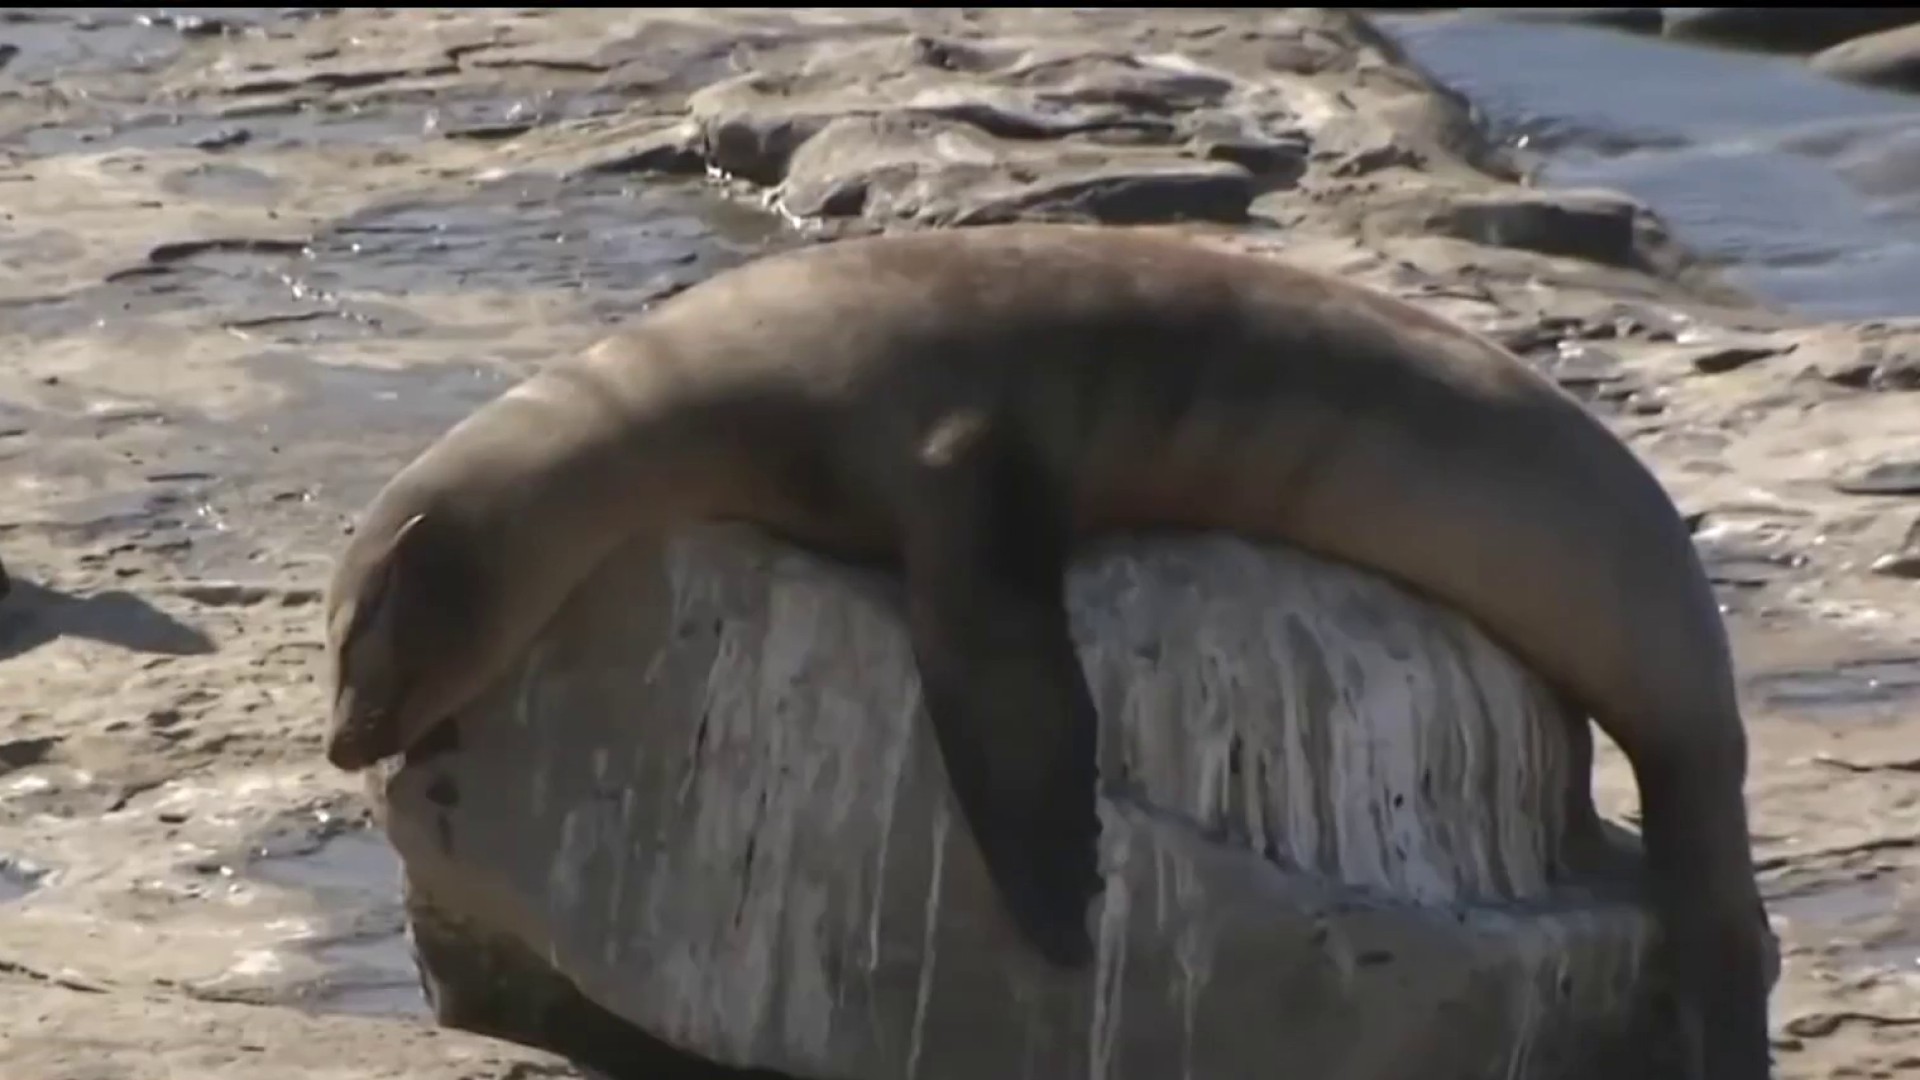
(985, 559)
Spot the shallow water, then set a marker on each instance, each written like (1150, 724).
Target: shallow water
(615, 246)
(56, 42)
(1889, 685)
(1807, 189)
(18, 878)
(1861, 921)
(52, 44)
(369, 967)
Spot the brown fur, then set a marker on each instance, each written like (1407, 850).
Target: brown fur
(973, 403)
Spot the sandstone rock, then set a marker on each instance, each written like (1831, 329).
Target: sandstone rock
(1783, 29)
(1904, 560)
(1893, 370)
(706, 806)
(1889, 58)
(933, 127)
(968, 133)
(153, 1036)
(1901, 477)
(1882, 355)
(1599, 226)
(672, 149)
(938, 172)
(1587, 370)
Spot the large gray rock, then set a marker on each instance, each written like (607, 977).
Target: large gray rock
(707, 806)
(1890, 58)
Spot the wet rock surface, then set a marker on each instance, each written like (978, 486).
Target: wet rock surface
(254, 259)
(708, 797)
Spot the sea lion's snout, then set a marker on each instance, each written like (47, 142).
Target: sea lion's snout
(372, 684)
(361, 729)
(359, 735)
(348, 754)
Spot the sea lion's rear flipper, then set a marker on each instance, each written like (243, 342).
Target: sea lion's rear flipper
(985, 559)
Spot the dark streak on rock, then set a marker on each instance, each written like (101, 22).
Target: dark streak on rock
(1720, 360)
(339, 80)
(186, 249)
(581, 67)
(23, 753)
(274, 320)
(1886, 478)
(489, 132)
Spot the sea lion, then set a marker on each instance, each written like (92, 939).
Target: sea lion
(968, 405)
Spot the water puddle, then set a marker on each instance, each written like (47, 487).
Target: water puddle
(370, 976)
(1808, 188)
(1838, 903)
(634, 239)
(1795, 667)
(44, 49)
(367, 963)
(610, 247)
(618, 243)
(18, 877)
(1890, 685)
(358, 863)
(1861, 922)
(56, 43)
(402, 115)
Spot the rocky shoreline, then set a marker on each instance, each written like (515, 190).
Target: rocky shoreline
(251, 266)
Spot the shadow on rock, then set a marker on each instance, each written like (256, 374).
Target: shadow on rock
(34, 615)
(502, 990)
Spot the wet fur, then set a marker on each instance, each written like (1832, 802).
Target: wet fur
(970, 405)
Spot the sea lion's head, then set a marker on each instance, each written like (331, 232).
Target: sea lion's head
(407, 630)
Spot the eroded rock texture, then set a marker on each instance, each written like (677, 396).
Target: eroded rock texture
(708, 799)
(964, 117)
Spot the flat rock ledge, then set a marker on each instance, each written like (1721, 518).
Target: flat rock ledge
(707, 808)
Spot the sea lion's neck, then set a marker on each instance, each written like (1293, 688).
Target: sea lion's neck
(584, 472)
